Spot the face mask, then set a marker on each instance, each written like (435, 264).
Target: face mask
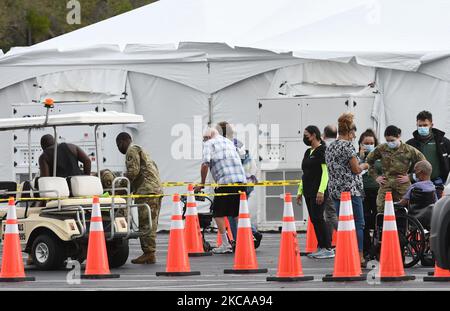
(306, 141)
(393, 144)
(423, 130)
(369, 148)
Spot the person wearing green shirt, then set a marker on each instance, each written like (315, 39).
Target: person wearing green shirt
(314, 189)
(434, 146)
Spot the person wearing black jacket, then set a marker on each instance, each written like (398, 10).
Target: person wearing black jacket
(434, 145)
(313, 188)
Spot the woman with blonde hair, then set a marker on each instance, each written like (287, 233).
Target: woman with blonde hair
(344, 172)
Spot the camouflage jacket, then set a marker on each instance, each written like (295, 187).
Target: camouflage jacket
(142, 172)
(107, 177)
(399, 161)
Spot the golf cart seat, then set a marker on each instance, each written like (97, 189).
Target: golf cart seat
(83, 188)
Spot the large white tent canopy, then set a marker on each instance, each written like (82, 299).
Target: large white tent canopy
(181, 62)
(292, 25)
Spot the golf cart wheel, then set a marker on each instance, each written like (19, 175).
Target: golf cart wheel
(118, 252)
(48, 252)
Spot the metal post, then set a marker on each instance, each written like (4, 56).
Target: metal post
(55, 154)
(96, 151)
(210, 108)
(30, 175)
(46, 115)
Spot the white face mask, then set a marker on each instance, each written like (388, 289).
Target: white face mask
(393, 144)
(423, 130)
(369, 148)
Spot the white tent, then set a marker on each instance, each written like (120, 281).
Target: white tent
(165, 56)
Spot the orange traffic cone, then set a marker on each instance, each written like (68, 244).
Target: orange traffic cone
(97, 266)
(391, 263)
(177, 256)
(192, 231)
(229, 233)
(245, 254)
(12, 262)
(439, 275)
(311, 239)
(289, 262)
(347, 264)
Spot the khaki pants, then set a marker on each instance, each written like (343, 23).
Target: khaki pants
(148, 241)
(398, 191)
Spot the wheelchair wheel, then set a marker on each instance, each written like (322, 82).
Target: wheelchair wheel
(412, 239)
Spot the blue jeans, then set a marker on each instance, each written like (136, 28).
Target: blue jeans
(358, 215)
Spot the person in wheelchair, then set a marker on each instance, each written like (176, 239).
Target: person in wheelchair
(421, 195)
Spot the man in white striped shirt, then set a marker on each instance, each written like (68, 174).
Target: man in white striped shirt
(221, 158)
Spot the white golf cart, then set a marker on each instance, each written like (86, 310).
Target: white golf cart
(57, 227)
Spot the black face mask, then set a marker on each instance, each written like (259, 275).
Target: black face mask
(306, 141)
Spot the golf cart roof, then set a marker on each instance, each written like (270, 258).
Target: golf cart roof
(72, 119)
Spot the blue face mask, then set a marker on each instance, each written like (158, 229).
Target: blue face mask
(369, 148)
(393, 144)
(423, 130)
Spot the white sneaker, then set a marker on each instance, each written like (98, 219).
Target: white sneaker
(223, 249)
(317, 252)
(327, 253)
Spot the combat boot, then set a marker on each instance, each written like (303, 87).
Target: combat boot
(146, 258)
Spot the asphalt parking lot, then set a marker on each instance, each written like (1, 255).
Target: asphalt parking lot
(212, 278)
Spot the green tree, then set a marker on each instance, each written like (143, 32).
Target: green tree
(27, 22)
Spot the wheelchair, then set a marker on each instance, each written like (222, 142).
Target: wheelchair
(413, 226)
(205, 221)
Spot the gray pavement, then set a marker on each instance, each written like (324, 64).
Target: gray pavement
(212, 278)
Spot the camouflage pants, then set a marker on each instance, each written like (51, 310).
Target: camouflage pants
(148, 241)
(398, 191)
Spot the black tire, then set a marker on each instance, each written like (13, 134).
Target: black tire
(118, 252)
(427, 260)
(48, 252)
(81, 257)
(412, 241)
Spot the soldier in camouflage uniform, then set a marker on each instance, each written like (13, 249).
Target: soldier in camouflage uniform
(144, 178)
(107, 177)
(397, 159)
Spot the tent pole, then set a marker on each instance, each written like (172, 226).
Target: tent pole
(210, 107)
(55, 153)
(30, 175)
(96, 150)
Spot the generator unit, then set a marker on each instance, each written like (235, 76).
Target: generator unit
(281, 149)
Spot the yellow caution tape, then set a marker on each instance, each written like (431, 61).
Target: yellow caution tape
(267, 183)
(132, 196)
